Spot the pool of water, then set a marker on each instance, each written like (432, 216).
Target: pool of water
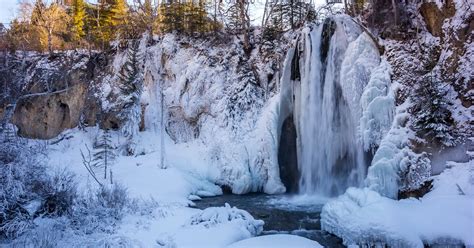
(299, 215)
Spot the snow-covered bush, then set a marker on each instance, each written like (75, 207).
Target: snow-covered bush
(114, 198)
(28, 190)
(100, 210)
(58, 193)
(47, 233)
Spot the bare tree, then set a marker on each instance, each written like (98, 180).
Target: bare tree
(87, 162)
(52, 18)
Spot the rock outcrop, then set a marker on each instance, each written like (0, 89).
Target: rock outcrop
(434, 17)
(44, 116)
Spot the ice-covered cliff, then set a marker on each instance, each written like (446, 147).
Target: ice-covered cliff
(208, 93)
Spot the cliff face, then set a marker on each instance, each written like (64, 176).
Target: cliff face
(50, 94)
(202, 79)
(206, 92)
(44, 116)
(435, 43)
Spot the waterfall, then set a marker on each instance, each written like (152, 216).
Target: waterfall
(330, 158)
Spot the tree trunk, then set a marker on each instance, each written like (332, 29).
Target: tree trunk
(244, 24)
(292, 23)
(395, 11)
(50, 41)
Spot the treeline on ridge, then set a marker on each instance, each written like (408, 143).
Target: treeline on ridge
(69, 24)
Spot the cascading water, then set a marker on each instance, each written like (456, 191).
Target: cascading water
(330, 159)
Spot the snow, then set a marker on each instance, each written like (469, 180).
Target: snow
(276, 241)
(161, 196)
(186, 227)
(443, 216)
(141, 174)
(209, 144)
(181, 157)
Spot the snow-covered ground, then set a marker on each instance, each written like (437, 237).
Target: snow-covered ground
(443, 216)
(163, 196)
(187, 173)
(276, 241)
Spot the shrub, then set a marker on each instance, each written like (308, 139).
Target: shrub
(101, 210)
(28, 191)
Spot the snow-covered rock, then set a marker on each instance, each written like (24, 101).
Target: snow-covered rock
(444, 216)
(214, 227)
(214, 216)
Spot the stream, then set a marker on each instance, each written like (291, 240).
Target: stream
(281, 214)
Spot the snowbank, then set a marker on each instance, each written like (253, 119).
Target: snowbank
(444, 216)
(276, 241)
(186, 227)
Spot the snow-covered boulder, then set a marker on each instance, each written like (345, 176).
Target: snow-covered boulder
(215, 227)
(214, 216)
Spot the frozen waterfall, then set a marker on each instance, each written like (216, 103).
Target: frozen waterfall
(329, 72)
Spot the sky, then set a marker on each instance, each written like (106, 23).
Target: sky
(8, 10)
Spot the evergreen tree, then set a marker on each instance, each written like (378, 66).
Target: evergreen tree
(185, 17)
(290, 14)
(118, 13)
(171, 17)
(104, 152)
(111, 19)
(238, 21)
(147, 15)
(433, 120)
(131, 85)
(78, 18)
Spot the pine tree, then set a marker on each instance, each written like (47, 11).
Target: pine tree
(147, 15)
(104, 152)
(118, 13)
(172, 17)
(432, 118)
(78, 17)
(189, 17)
(112, 17)
(289, 15)
(131, 85)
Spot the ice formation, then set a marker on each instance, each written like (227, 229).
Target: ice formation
(443, 216)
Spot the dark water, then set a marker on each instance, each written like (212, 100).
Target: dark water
(280, 215)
